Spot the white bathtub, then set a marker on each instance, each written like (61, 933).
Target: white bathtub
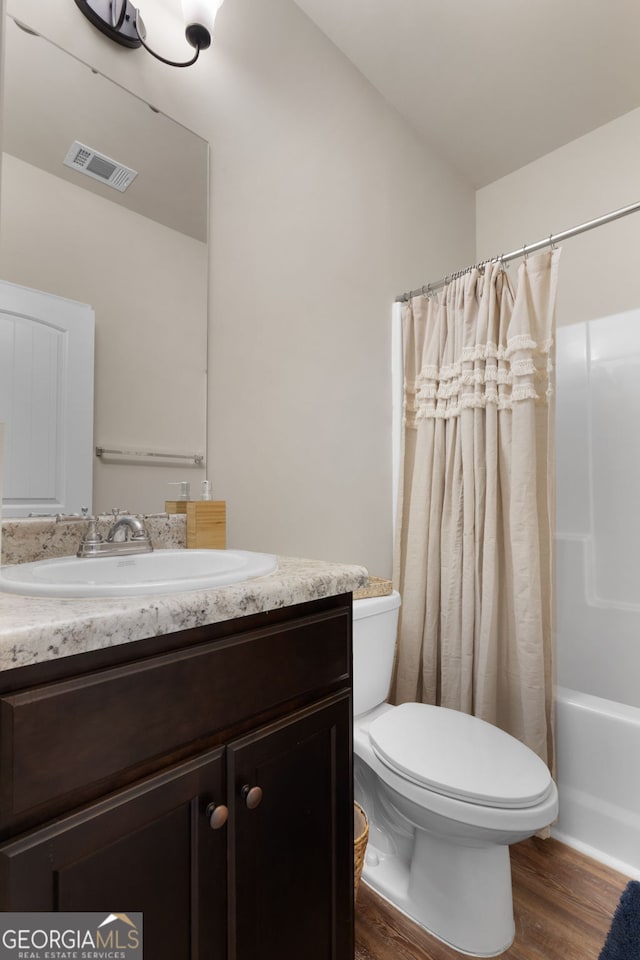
(598, 751)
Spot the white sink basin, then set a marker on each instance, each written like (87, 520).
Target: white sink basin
(163, 571)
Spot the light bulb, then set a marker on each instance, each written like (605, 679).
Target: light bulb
(199, 17)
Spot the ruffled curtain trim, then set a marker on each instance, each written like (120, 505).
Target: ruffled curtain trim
(443, 392)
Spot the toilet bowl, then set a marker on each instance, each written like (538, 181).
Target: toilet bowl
(445, 794)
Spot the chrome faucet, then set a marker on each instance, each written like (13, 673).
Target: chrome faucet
(134, 525)
(127, 535)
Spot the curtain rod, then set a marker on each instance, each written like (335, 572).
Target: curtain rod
(524, 250)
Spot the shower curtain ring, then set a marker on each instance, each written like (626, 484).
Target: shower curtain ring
(524, 251)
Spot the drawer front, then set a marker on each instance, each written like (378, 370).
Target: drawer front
(61, 738)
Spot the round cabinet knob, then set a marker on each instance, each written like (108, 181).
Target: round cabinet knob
(252, 796)
(217, 814)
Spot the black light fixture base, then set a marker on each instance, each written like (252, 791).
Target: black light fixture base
(198, 36)
(115, 18)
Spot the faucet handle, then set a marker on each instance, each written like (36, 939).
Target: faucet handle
(92, 535)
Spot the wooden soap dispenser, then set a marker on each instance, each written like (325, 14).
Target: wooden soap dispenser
(206, 518)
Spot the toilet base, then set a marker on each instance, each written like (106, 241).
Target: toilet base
(463, 893)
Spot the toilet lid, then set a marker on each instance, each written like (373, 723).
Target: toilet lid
(459, 756)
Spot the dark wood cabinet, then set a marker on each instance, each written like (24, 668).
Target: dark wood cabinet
(286, 886)
(147, 848)
(203, 779)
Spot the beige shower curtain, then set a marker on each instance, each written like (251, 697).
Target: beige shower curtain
(473, 559)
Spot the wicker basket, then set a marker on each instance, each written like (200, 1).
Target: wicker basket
(376, 587)
(360, 836)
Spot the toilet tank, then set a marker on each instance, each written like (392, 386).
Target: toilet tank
(375, 622)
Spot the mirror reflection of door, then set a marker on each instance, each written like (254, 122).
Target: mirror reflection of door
(46, 402)
(139, 257)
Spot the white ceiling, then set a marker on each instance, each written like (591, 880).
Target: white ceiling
(493, 84)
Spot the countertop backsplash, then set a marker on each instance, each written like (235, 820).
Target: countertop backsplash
(41, 538)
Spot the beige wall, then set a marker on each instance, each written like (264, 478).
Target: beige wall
(324, 206)
(586, 178)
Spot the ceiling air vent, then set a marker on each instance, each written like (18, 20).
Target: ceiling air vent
(88, 161)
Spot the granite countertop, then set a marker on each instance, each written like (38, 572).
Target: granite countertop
(36, 629)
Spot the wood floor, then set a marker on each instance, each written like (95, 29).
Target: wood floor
(563, 904)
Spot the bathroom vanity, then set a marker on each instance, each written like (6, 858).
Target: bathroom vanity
(200, 774)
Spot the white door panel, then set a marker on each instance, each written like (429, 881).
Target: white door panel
(46, 401)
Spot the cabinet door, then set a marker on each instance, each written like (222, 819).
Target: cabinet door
(291, 856)
(146, 849)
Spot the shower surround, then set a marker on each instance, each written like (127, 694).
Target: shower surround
(598, 587)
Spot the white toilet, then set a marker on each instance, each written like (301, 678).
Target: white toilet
(445, 794)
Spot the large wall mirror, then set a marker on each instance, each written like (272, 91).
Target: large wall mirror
(138, 257)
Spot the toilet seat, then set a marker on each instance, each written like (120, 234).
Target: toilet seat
(459, 756)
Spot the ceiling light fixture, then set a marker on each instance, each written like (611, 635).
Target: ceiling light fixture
(121, 21)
